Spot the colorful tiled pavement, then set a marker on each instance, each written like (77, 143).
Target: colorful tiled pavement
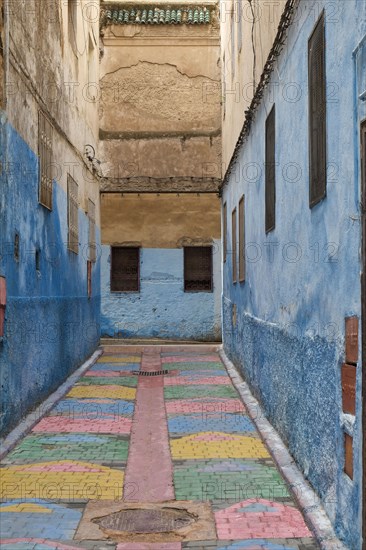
(191, 440)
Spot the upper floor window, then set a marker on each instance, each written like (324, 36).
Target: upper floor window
(72, 215)
(317, 114)
(45, 160)
(239, 21)
(270, 171)
(233, 245)
(72, 7)
(242, 239)
(92, 241)
(224, 231)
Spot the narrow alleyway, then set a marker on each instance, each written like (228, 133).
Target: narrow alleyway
(125, 435)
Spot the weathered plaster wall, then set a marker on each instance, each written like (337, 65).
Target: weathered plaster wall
(51, 325)
(160, 135)
(254, 26)
(303, 278)
(162, 309)
(160, 221)
(160, 101)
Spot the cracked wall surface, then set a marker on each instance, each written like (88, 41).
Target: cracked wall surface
(160, 112)
(154, 97)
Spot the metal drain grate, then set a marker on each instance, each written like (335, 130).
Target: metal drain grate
(146, 521)
(152, 373)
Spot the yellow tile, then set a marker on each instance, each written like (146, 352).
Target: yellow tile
(61, 479)
(116, 359)
(111, 392)
(238, 446)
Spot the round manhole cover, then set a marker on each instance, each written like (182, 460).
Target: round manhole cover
(146, 521)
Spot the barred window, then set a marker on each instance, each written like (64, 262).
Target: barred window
(72, 214)
(45, 160)
(92, 242)
(125, 269)
(198, 269)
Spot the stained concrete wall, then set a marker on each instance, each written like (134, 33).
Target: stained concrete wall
(51, 326)
(303, 278)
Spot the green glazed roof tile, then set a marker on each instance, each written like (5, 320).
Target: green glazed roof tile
(158, 16)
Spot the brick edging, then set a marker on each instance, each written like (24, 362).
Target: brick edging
(25, 426)
(306, 498)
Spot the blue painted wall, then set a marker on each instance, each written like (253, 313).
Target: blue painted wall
(51, 324)
(303, 278)
(161, 309)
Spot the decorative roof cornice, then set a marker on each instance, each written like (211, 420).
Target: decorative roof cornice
(149, 14)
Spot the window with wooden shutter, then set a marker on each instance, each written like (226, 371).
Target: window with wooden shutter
(92, 242)
(242, 239)
(233, 244)
(270, 171)
(45, 160)
(317, 114)
(72, 7)
(198, 269)
(224, 231)
(89, 270)
(239, 21)
(72, 214)
(125, 269)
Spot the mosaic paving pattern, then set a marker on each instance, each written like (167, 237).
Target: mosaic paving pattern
(79, 452)
(76, 453)
(219, 457)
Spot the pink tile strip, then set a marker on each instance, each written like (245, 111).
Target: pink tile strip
(119, 425)
(182, 406)
(191, 359)
(53, 544)
(272, 520)
(149, 467)
(149, 546)
(196, 381)
(108, 373)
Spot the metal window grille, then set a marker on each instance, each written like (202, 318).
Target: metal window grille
(125, 269)
(45, 160)
(270, 171)
(224, 231)
(198, 269)
(233, 244)
(92, 241)
(242, 239)
(317, 113)
(72, 214)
